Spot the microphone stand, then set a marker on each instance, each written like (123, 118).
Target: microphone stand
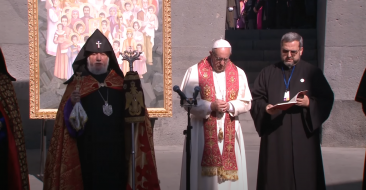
(190, 103)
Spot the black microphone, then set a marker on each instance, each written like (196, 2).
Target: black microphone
(197, 89)
(181, 94)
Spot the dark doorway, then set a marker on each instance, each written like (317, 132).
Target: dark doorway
(252, 50)
(271, 14)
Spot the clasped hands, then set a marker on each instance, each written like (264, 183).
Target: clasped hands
(302, 101)
(220, 106)
(75, 97)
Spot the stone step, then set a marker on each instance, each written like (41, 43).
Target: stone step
(267, 44)
(267, 55)
(276, 34)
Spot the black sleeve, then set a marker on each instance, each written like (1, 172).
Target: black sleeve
(321, 102)
(260, 100)
(361, 92)
(248, 6)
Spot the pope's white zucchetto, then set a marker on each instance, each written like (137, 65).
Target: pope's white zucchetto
(221, 44)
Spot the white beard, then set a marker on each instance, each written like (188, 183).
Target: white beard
(95, 71)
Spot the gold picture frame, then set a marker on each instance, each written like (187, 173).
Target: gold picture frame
(43, 82)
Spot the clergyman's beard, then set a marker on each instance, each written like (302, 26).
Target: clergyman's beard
(290, 65)
(96, 71)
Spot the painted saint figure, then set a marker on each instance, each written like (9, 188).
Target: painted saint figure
(86, 17)
(129, 44)
(72, 52)
(137, 35)
(61, 61)
(112, 17)
(140, 65)
(128, 14)
(53, 17)
(105, 29)
(119, 31)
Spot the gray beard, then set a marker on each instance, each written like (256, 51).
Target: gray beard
(95, 71)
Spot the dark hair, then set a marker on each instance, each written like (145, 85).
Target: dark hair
(104, 21)
(74, 36)
(139, 45)
(64, 16)
(86, 6)
(136, 23)
(127, 3)
(78, 26)
(116, 42)
(101, 14)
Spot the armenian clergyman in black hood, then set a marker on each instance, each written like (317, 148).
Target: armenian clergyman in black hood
(13, 160)
(97, 154)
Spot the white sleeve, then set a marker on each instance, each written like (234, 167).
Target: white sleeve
(190, 80)
(243, 102)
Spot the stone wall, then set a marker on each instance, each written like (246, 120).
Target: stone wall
(193, 32)
(344, 64)
(195, 25)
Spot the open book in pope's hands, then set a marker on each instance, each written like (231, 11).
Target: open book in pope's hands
(286, 105)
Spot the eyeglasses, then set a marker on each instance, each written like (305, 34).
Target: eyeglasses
(293, 53)
(219, 59)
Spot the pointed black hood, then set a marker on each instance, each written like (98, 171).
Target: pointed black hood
(96, 43)
(3, 68)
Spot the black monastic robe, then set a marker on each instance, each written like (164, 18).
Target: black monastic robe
(290, 154)
(102, 145)
(361, 97)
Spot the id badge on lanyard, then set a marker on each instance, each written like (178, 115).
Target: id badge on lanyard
(286, 97)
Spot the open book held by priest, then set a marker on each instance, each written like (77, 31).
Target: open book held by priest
(286, 105)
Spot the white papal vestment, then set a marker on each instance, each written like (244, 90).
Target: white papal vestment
(202, 111)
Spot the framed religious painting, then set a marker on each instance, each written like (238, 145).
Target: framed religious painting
(58, 29)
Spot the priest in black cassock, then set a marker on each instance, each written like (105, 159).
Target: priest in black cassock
(361, 97)
(290, 154)
(89, 148)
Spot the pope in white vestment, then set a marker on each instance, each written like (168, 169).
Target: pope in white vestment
(237, 100)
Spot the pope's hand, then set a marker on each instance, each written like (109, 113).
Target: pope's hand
(272, 111)
(75, 97)
(220, 106)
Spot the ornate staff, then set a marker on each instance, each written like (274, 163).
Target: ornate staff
(134, 111)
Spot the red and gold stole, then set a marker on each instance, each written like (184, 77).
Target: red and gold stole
(17, 171)
(89, 84)
(213, 163)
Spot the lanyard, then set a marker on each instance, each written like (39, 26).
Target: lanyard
(287, 83)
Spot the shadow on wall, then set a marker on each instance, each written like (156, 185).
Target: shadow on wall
(349, 186)
(31, 127)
